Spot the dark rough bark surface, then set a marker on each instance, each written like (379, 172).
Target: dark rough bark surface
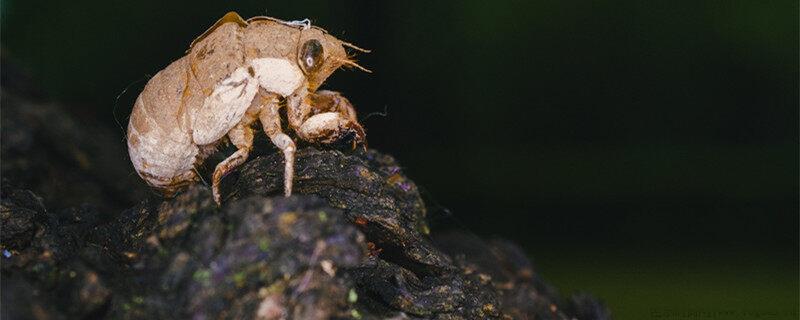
(353, 242)
(67, 161)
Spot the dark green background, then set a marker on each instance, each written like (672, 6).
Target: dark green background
(646, 152)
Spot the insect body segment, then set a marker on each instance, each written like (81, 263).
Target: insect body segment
(236, 74)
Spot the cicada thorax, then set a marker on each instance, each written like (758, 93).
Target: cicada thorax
(223, 83)
(270, 39)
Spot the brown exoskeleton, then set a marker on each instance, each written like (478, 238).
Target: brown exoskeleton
(235, 73)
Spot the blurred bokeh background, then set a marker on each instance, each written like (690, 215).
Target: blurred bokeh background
(646, 152)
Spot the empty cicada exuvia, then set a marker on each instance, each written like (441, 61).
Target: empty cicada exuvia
(237, 73)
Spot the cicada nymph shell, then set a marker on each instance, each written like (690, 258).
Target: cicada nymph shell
(236, 74)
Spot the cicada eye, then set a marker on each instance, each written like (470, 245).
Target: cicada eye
(311, 55)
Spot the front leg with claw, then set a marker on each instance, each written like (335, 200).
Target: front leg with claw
(325, 117)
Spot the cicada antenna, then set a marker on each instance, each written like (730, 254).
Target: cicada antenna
(355, 47)
(352, 63)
